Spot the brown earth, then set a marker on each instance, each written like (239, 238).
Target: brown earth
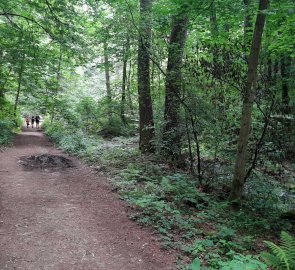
(67, 218)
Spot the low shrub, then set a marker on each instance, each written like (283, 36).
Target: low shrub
(9, 121)
(6, 131)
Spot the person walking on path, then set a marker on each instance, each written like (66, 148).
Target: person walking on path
(27, 121)
(37, 118)
(33, 121)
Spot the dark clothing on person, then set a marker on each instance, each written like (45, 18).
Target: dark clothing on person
(27, 121)
(37, 118)
(33, 121)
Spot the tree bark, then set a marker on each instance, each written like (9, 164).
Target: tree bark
(213, 20)
(107, 77)
(58, 73)
(249, 95)
(172, 133)
(124, 79)
(128, 88)
(247, 25)
(146, 122)
(20, 75)
(2, 88)
(285, 65)
(58, 80)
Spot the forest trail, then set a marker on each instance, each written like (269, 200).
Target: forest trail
(67, 219)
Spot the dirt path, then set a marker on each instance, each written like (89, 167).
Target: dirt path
(66, 219)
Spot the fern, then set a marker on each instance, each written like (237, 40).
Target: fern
(288, 244)
(283, 255)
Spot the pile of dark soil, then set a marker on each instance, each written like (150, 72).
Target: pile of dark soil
(41, 162)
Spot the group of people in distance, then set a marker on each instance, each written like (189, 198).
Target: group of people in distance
(33, 119)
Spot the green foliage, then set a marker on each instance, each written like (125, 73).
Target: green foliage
(6, 131)
(196, 264)
(243, 262)
(171, 203)
(282, 257)
(113, 127)
(239, 262)
(70, 140)
(55, 60)
(226, 233)
(200, 246)
(8, 122)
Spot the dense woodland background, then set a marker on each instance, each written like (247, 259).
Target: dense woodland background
(188, 105)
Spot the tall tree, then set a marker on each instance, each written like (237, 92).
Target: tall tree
(107, 78)
(213, 20)
(126, 48)
(20, 76)
(146, 122)
(247, 24)
(248, 100)
(285, 67)
(172, 134)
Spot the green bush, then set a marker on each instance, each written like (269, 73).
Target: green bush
(6, 131)
(239, 262)
(9, 122)
(243, 262)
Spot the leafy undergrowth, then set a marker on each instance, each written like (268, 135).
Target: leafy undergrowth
(201, 225)
(9, 123)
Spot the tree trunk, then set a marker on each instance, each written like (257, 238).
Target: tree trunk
(128, 88)
(172, 133)
(107, 77)
(20, 75)
(213, 20)
(249, 95)
(58, 79)
(269, 69)
(58, 73)
(285, 66)
(247, 25)
(2, 89)
(146, 122)
(124, 79)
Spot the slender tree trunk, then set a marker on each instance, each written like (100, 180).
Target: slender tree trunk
(276, 70)
(58, 73)
(249, 95)
(146, 122)
(124, 79)
(247, 25)
(123, 94)
(2, 89)
(285, 65)
(107, 77)
(189, 141)
(128, 88)
(58, 78)
(20, 75)
(213, 20)
(172, 134)
(269, 69)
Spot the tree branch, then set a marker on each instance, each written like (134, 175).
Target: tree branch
(6, 14)
(259, 143)
(54, 15)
